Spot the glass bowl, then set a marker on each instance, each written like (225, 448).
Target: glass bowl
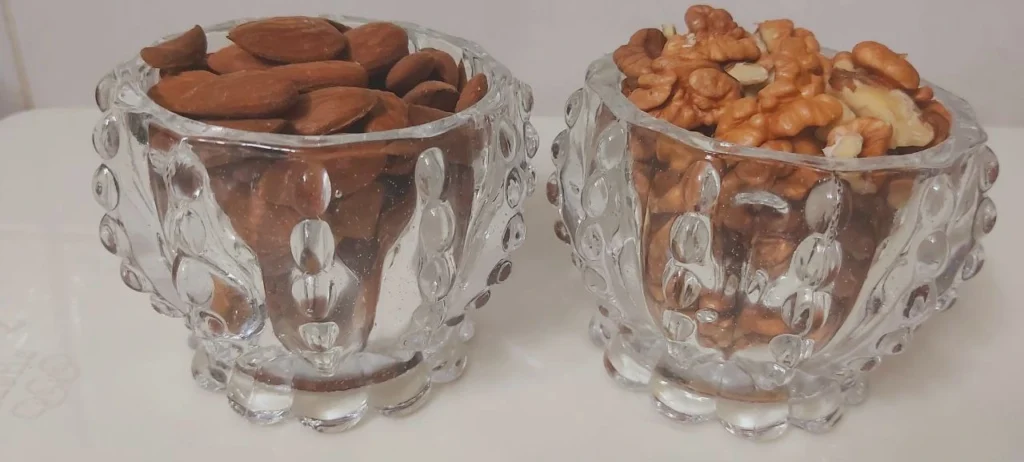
(320, 277)
(730, 295)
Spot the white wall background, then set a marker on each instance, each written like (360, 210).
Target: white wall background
(974, 47)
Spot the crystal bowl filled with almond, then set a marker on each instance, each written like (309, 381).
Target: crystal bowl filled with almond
(763, 220)
(324, 202)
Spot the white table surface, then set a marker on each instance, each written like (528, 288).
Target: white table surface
(535, 389)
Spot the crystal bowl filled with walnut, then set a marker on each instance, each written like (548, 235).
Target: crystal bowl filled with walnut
(757, 303)
(320, 277)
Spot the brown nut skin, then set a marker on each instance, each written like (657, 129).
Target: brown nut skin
(446, 69)
(233, 58)
(330, 110)
(705, 19)
(356, 215)
(169, 91)
(876, 135)
(290, 39)
(186, 50)
(652, 40)
(390, 113)
(882, 60)
(240, 95)
(409, 72)
(632, 60)
(304, 186)
(435, 94)
(794, 117)
(772, 253)
(419, 114)
(653, 90)
(936, 115)
(797, 185)
(308, 77)
(474, 91)
(377, 46)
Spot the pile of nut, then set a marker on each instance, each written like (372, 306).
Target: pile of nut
(310, 76)
(772, 89)
(775, 89)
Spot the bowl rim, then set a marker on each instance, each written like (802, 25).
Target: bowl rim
(604, 78)
(132, 75)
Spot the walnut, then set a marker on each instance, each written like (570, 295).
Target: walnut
(868, 97)
(704, 19)
(711, 87)
(883, 61)
(798, 184)
(742, 123)
(864, 137)
(772, 31)
(632, 60)
(652, 40)
(802, 113)
(844, 60)
(678, 155)
(725, 48)
(653, 90)
(936, 115)
(680, 66)
(682, 46)
(807, 144)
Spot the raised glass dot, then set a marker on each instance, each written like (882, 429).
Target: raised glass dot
(984, 218)
(946, 300)
(789, 350)
(437, 227)
(105, 189)
(690, 238)
(932, 252)
(865, 364)
(678, 326)
(430, 172)
(552, 191)
(707, 316)
(709, 187)
(595, 196)
(164, 307)
(816, 260)
(591, 241)
(106, 139)
(682, 286)
(573, 107)
(530, 180)
(507, 144)
(973, 262)
(611, 148)
(500, 273)
(919, 302)
(824, 205)
(514, 188)
(594, 281)
(133, 277)
(480, 300)
(559, 148)
(937, 204)
(989, 168)
(190, 232)
(193, 281)
(187, 181)
(894, 342)
(312, 245)
(113, 236)
(532, 140)
(562, 233)
(515, 233)
(526, 99)
(435, 278)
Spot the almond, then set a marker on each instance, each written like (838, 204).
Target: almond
(241, 95)
(290, 39)
(252, 125)
(314, 76)
(378, 45)
(419, 115)
(350, 174)
(169, 91)
(302, 185)
(462, 75)
(433, 93)
(356, 215)
(472, 93)
(233, 58)
(337, 25)
(398, 165)
(331, 110)
(390, 113)
(447, 70)
(410, 71)
(184, 51)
